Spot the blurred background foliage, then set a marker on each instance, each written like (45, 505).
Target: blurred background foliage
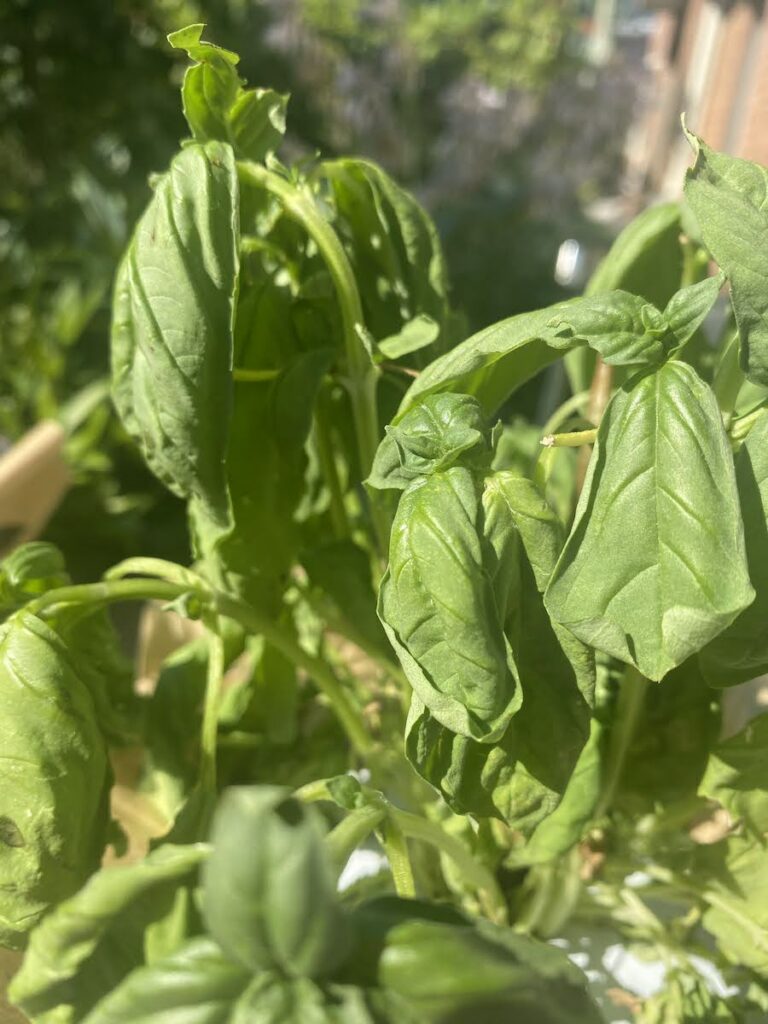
(487, 110)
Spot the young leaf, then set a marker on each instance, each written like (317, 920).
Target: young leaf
(269, 891)
(172, 325)
(688, 309)
(439, 609)
(54, 812)
(89, 943)
(740, 652)
(439, 432)
(29, 571)
(655, 565)
(727, 195)
(736, 775)
(216, 105)
(620, 326)
(415, 335)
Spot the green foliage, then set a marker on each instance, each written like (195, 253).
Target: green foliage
(553, 652)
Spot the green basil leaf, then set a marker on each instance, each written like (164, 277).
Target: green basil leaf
(655, 565)
(493, 363)
(54, 808)
(28, 571)
(195, 985)
(172, 325)
(439, 432)
(615, 325)
(269, 888)
(736, 774)
(217, 106)
(86, 946)
(737, 904)
(740, 652)
(395, 251)
(727, 195)
(485, 973)
(646, 259)
(439, 611)
(415, 335)
(688, 309)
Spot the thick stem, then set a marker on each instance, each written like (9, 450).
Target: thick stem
(572, 439)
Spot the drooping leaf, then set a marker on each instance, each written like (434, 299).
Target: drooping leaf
(727, 195)
(655, 566)
(269, 889)
(522, 777)
(172, 325)
(54, 812)
(439, 610)
(736, 776)
(195, 985)
(89, 943)
(486, 973)
(397, 257)
(217, 106)
(740, 652)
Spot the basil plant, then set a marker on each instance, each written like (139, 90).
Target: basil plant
(502, 658)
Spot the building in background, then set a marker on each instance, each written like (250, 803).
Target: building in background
(709, 59)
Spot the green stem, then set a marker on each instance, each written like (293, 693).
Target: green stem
(474, 872)
(254, 376)
(573, 404)
(396, 849)
(573, 439)
(164, 570)
(361, 374)
(210, 727)
(628, 711)
(342, 841)
(108, 592)
(346, 711)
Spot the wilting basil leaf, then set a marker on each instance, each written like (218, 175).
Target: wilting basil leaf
(172, 325)
(727, 195)
(439, 609)
(54, 811)
(397, 257)
(276, 907)
(655, 566)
